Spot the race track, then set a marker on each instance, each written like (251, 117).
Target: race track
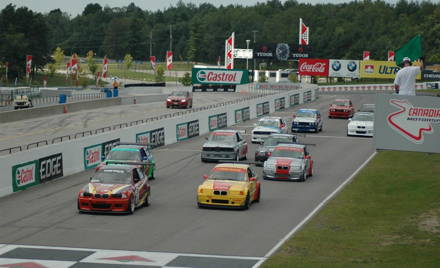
(46, 215)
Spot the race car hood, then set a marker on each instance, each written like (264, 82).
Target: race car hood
(100, 188)
(304, 120)
(368, 124)
(224, 185)
(267, 129)
(284, 161)
(210, 144)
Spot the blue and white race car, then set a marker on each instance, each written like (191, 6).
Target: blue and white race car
(267, 126)
(307, 120)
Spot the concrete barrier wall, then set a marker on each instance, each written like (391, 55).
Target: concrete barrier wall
(24, 166)
(144, 99)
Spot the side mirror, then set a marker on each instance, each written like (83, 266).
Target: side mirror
(253, 179)
(205, 177)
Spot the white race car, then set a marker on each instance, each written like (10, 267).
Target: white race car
(362, 124)
(267, 126)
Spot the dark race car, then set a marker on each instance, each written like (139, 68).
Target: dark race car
(264, 151)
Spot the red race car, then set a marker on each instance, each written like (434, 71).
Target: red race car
(116, 188)
(342, 108)
(180, 99)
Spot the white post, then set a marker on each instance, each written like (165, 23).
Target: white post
(267, 73)
(278, 76)
(256, 76)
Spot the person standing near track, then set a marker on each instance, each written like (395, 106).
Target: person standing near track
(405, 81)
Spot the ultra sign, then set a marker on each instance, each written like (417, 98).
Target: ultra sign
(219, 76)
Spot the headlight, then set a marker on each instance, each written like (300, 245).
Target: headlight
(183, 100)
(168, 99)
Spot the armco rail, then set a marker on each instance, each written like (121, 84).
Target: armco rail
(67, 155)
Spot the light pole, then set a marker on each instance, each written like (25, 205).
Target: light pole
(247, 60)
(255, 60)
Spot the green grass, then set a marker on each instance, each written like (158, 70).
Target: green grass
(389, 216)
(57, 80)
(433, 91)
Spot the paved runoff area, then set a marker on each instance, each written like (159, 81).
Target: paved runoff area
(57, 257)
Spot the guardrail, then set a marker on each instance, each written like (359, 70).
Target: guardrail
(7, 99)
(86, 133)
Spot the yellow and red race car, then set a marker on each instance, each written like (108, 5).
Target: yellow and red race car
(229, 185)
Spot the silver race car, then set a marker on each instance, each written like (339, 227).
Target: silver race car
(289, 162)
(264, 151)
(224, 145)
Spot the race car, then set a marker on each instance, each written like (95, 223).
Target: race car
(180, 99)
(362, 124)
(342, 108)
(307, 120)
(267, 126)
(265, 150)
(131, 152)
(115, 188)
(229, 186)
(289, 162)
(224, 145)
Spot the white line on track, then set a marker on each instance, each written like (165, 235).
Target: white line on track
(314, 211)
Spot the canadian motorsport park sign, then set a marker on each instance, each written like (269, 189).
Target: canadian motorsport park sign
(219, 76)
(407, 123)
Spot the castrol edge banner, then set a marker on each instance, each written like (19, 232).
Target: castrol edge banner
(313, 67)
(219, 76)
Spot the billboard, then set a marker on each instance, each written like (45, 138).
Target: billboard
(379, 69)
(187, 130)
(344, 68)
(219, 76)
(407, 123)
(155, 138)
(217, 121)
(281, 51)
(313, 67)
(431, 75)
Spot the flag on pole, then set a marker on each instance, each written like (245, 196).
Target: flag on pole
(229, 52)
(303, 33)
(74, 66)
(390, 55)
(153, 62)
(105, 68)
(28, 65)
(169, 60)
(366, 55)
(412, 49)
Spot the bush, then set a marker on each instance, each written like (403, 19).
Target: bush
(293, 77)
(262, 78)
(160, 77)
(186, 79)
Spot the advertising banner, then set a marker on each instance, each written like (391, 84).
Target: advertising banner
(217, 121)
(240, 53)
(344, 68)
(431, 75)
(229, 52)
(307, 96)
(378, 69)
(281, 51)
(193, 128)
(92, 156)
(407, 123)
(50, 167)
(242, 115)
(294, 99)
(155, 138)
(24, 175)
(259, 109)
(169, 60)
(313, 67)
(366, 55)
(280, 104)
(187, 130)
(219, 76)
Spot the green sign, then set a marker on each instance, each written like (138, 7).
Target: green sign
(25, 175)
(219, 76)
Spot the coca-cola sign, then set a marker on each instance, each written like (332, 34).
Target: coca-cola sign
(314, 67)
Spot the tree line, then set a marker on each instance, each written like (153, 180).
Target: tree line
(339, 31)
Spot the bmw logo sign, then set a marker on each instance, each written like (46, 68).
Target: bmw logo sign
(336, 66)
(201, 76)
(352, 66)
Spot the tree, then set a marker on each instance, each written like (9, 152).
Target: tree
(115, 43)
(186, 79)
(160, 77)
(128, 60)
(91, 62)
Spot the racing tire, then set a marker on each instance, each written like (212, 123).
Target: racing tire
(147, 201)
(132, 206)
(246, 202)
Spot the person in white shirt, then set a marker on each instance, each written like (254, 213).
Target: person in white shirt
(405, 81)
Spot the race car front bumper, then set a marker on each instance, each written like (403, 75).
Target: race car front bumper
(111, 205)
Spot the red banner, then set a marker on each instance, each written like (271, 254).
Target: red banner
(28, 65)
(153, 62)
(366, 55)
(390, 55)
(105, 67)
(313, 67)
(169, 60)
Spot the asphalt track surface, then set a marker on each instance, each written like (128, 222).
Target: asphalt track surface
(46, 215)
(46, 128)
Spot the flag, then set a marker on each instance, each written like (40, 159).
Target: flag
(366, 55)
(169, 60)
(303, 33)
(390, 55)
(229, 52)
(412, 49)
(105, 68)
(28, 65)
(153, 62)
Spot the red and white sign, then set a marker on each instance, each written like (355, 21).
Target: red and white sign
(390, 55)
(153, 62)
(303, 33)
(366, 55)
(28, 65)
(229, 52)
(105, 67)
(169, 60)
(313, 67)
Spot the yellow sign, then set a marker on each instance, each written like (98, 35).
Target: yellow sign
(379, 69)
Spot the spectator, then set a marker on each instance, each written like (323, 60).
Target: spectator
(405, 81)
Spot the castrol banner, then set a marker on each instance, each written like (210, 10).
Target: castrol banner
(219, 76)
(313, 67)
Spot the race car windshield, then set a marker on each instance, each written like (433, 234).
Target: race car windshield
(268, 123)
(124, 155)
(227, 175)
(305, 114)
(179, 93)
(340, 103)
(111, 177)
(288, 153)
(271, 141)
(363, 117)
(220, 137)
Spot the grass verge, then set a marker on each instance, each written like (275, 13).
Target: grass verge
(388, 216)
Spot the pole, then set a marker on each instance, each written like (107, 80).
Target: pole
(171, 37)
(151, 43)
(247, 60)
(255, 60)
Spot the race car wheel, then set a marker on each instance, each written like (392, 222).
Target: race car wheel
(237, 156)
(131, 206)
(147, 200)
(246, 202)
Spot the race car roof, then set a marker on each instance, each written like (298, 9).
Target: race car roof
(293, 145)
(232, 165)
(308, 110)
(124, 167)
(124, 147)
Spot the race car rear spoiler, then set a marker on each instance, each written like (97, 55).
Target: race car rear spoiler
(134, 143)
(113, 162)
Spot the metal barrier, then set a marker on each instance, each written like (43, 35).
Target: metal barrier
(127, 124)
